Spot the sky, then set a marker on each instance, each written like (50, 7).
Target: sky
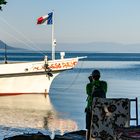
(75, 21)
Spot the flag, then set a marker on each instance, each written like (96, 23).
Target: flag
(47, 19)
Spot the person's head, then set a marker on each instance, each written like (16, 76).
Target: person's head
(96, 74)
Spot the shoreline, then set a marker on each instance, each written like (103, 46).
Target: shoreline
(75, 135)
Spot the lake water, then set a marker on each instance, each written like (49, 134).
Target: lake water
(63, 109)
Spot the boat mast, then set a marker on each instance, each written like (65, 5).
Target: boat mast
(53, 39)
(5, 54)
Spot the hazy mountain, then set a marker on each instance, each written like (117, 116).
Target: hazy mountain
(2, 47)
(104, 47)
(95, 47)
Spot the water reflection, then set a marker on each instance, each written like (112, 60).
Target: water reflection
(58, 124)
(32, 111)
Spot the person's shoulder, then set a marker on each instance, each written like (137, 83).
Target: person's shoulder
(103, 82)
(89, 84)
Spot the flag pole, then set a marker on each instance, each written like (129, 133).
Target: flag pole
(53, 45)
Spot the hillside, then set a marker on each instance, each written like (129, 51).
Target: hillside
(2, 47)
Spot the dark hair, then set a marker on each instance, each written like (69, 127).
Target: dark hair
(96, 74)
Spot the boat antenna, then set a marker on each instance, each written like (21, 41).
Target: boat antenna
(5, 54)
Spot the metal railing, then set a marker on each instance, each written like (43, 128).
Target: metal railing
(136, 107)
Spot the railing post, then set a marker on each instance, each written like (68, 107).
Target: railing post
(136, 111)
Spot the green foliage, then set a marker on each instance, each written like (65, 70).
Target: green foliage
(2, 2)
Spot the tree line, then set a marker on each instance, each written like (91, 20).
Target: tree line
(2, 2)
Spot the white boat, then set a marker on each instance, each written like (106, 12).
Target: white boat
(33, 77)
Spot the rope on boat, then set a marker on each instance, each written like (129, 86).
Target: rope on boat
(22, 35)
(73, 81)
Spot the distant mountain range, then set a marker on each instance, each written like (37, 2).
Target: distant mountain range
(2, 47)
(99, 47)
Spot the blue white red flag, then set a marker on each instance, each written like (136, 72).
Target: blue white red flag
(47, 19)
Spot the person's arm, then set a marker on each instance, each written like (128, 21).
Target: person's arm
(89, 89)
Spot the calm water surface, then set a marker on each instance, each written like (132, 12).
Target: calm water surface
(63, 109)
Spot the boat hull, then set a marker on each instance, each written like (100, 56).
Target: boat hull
(31, 77)
(36, 83)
